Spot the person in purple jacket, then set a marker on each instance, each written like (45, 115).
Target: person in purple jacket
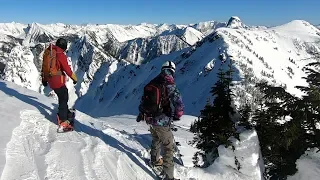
(160, 129)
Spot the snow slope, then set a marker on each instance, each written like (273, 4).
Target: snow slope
(208, 27)
(105, 148)
(36, 33)
(276, 55)
(21, 69)
(235, 22)
(308, 166)
(13, 29)
(108, 78)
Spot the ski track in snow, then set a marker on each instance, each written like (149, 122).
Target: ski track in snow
(114, 148)
(37, 152)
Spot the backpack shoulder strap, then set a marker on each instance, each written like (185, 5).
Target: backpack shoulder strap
(53, 55)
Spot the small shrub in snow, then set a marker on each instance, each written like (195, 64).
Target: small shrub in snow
(292, 61)
(290, 70)
(249, 61)
(222, 57)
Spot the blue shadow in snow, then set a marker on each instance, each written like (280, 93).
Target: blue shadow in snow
(109, 140)
(29, 100)
(145, 140)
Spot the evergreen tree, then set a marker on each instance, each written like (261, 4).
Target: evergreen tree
(245, 113)
(280, 129)
(215, 124)
(311, 103)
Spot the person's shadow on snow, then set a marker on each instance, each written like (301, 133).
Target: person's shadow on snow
(109, 140)
(43, 109)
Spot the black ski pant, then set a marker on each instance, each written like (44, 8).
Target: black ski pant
(63, 98)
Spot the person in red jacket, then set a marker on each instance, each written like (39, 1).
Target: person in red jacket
(57, 82)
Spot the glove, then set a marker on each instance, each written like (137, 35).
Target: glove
(140, 117)
(44, 83)
(174, 118)
(74, 78)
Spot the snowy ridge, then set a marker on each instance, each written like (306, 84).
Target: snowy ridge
(298, 27)
(191, 35)
(140, 50)
(150, 48)
(105, 148)
(35, 33)
(21, 69)
(110, 84)
(208, 27)
(275, 55)
(103, 64)
(235, 22)
(13, 29)
(187, 34)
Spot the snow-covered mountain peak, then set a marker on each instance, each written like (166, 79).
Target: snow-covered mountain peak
(191, 35)
(208, 27)
(37, 33)
(13, 28)
(168, 27)
(114, 62)
(235, 22)
(298, 27)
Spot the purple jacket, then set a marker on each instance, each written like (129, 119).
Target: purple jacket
(174, 97)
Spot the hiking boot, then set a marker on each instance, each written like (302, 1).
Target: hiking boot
(157, 163)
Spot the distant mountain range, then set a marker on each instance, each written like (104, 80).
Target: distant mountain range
(113, 62)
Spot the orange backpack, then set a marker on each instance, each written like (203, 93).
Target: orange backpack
(49, 64)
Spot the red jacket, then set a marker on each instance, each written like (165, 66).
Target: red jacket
(58, 81)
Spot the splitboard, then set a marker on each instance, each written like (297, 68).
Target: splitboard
(157, 170)
(71, 118)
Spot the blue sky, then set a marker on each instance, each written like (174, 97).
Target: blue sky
(251, 12)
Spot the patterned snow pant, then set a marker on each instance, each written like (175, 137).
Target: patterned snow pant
(163, 136)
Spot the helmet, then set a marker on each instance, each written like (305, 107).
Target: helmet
(62, 43)
(169, 65)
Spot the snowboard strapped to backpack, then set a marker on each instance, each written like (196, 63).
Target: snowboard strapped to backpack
(153, 99)
(49, 64)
